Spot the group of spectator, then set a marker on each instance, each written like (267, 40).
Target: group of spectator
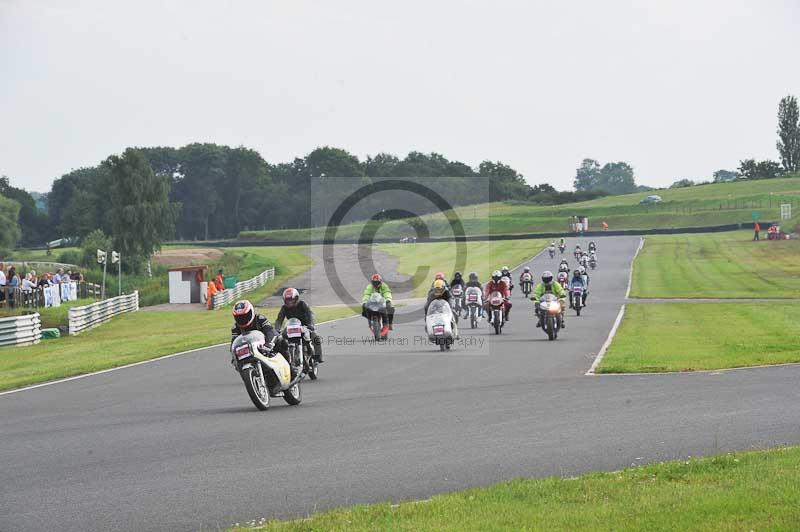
(12, 280)
(217, 285)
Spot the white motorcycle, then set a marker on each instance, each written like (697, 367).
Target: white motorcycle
(299, 338)
(440, 324)
(497, 311)
(265, 372)
(526, 280)
(576, 296)
(458, 293)
(474, 299)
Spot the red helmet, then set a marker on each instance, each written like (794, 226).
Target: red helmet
(439, 275)
(290, 297)
(376, 280)
(243, 313)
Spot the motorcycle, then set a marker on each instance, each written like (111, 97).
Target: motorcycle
(593, 262)
(458, 293)
(578, 254)
(577, 299)
(474, 303)
(497, 311)
(439, 324)
(299, 339)
(265, 372)
(552, 252)
(563, 281)
(550, 310)
(563, 267)
(376, 310)
(506, 279)
(527, 283)
(562, 248)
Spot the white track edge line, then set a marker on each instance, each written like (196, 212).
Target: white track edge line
(621, 313)
(141, 362)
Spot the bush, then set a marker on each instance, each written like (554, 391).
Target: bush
(95, 240)
(69, 257)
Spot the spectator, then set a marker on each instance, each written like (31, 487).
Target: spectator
(12, 280)
(57, 276)
(2, 282)
(44, 280)
(605, 225)
(29, 282)
(219, 281)
(210, 291)
(756, 229)
(77, 276)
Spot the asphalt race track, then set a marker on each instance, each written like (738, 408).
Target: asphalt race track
(176, 444)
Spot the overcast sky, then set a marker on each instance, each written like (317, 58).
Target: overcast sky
(677, 88)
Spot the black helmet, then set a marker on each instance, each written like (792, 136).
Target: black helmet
(576, 273)
(547, 277)
(457, 275)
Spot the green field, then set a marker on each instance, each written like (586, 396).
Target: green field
(717, 265)
(700, 206)
(703, 336)
(742, 491)
(423, 260)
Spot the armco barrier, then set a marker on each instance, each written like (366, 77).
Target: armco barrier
(229, 295)
(88, 316)
(20, 330)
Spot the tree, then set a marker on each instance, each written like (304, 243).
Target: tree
(724, 176)
(587, 176)
(789, 133)
(682, 183)
(202, 175)
(32, 222)
(142, 217)
(77, 202)
(95, 240)
(543, 188)
(752, 169)
(9, 214)
(616, 178)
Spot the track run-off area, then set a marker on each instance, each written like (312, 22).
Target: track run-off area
(176, 444)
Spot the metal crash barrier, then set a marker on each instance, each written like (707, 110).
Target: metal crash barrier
(88, 316)
(20, 330)
(228, 296)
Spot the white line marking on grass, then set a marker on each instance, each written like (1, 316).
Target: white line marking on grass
(141, 362)
(614, 328)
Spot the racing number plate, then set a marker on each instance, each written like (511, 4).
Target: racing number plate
(294, 332)
(438, 329)
(243, 351)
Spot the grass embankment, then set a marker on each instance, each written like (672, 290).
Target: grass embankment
(145, 335)
(422, 260)
(668, 336)
(703, 336)
(742, 491)
(125, 339)
(719, 265)
(700, 206)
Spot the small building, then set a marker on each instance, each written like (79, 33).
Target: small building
(187, 285)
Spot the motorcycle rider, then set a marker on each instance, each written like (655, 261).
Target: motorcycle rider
(563, 266)
(473, 281)
(592, 246)
(441, 291)
(585, 277)
(496, 285)
(245, 319)
(563, 279)
(577, 280)
(526, 274)
(552, 248)
(547, 286)
(505, 272)
(458, 280)
(439, 276)
(376, 284)
(293, 307)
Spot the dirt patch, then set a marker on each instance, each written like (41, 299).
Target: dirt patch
(187, 257)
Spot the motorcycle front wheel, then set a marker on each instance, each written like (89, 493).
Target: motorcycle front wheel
(256, 388)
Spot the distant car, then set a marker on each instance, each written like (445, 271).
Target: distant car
(651, 199)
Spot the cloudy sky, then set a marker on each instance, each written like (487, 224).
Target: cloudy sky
(677, 88)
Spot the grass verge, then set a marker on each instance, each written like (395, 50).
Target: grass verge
(422, 260)
(742, 491)
(719, 265)
(125, 339)
(703, 336)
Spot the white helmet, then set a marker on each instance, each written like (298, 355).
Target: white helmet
(582, 269)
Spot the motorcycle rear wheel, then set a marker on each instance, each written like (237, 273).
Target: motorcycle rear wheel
(256, 389)
(293, 395)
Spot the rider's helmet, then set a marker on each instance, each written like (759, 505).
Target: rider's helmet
(562, 277)
(526, 269)
(290, 297)
(376, 280)
(473, 276)
(438, 287)
(439, 275)
(576, 273)
(582, 269)
(496, 275)
(547, 278)
(243, 313)
(504, 268)
(457, 276)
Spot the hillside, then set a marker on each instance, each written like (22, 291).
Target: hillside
(703, 205)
